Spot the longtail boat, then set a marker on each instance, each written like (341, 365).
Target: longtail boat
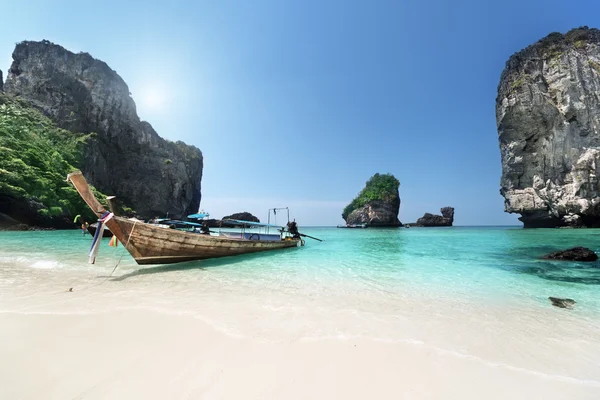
(152, 244)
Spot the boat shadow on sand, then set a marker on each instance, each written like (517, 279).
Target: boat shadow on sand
(194, 265)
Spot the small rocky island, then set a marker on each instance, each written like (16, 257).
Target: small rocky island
(377, 205)
(431, 220)
(548, 119)
(241, 216)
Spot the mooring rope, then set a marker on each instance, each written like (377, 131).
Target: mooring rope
(116, 265)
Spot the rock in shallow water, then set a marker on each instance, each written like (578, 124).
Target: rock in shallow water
(573, 254)
(562, 303)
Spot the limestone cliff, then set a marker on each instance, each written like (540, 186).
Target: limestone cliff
(376, 214)
(1, 81)
(377, 205)
(126, 157)
(548, 119)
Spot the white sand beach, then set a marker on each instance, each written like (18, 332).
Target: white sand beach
(191, 334)
(141, 354)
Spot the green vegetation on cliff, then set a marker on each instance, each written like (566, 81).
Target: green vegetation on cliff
(35, 158)
(382, 187)
(553, 45)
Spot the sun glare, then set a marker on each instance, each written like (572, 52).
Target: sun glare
(153, 98)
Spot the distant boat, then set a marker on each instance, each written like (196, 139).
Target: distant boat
(153, 244)
(356, 226)
(92, 230)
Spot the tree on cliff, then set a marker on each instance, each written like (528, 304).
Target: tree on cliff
(383, 187)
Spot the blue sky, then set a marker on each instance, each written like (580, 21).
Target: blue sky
(299, 103)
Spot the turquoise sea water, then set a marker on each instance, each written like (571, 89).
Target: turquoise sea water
(477, 292)
(486, 264)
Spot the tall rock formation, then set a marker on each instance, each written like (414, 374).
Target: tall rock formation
(1, 82)
(548, 119)
(126, 158)
(377, 205)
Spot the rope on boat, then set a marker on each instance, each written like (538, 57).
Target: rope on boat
(123, 252)
(116, 265)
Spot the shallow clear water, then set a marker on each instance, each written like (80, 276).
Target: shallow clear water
(478, 292)
(483, 265)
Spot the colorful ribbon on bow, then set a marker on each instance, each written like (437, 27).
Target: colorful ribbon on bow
(98, 236)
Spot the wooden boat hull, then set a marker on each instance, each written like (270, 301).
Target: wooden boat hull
(157, 245)
(152, 244)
